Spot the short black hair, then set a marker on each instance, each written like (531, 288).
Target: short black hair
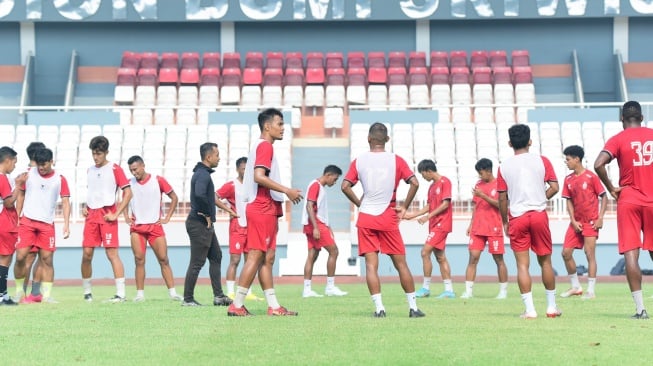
(206, 148)
(7, 153)
(483, 164)
(426, 165)
(32, 147)
(135, 159)
(378, 133)
(241, 160)
(267, 115)
(631, 112)
(574, 151)
(519, 135)
(42, 156)
(99, 143)
(332, 169)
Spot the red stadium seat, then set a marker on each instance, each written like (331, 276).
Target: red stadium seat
(520, 58)
(273, 77)
(439, 59)
(211, 60)
(522, 75)
(356, 76)
(397, 76)
(231, 60)
(274, 60)
(254, 60)
(335, 76)
(126, 76)
(149, 60)
(314, 59)
(420, 76)
(439, 75)
(253, 76)
(189, 76)
(478, 59)
(459, 75)
(315, 75)
(168, 76)
(482, 75)
(498, 58)
(130, 60)
(169, 60)
(376, 59)
(377, 75)
(417, 59)
(355, 59)
(334, 60)
(147, 77)
(294, 60)
(502, 75)
(293, 77)
(210, 76)
(397, 59)
(190, 60)
(458, 59)
(231, 77)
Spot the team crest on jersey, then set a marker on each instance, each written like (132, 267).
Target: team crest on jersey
(437, 190)
(584, 185)
(42, 186)
(493, 193)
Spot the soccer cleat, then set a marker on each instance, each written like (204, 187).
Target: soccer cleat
(447, 295)
(639, 316)
(380, 314)
(88, 297)
(8, 302)
(574, 291)
(222, 301)
(588, 296)
(252, 297)
(241, 311)
(416, 313)
(527, 315)
(190, 303)
(139, 299)
(466, 295)
(553, 313)
(423, 292)
(231, 295)
(501, 296)
(281, 311)
(311, 294)
(176, 298)
(49, 300)
(334, 291)
(115, 299)
(30, 299)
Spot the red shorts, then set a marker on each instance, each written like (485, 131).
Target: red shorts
(495, 243)
(147, 233)
(437, 239)
(262, 232)
(633, 221)
(530, 231)
(386, 242)
(35, 235)
(98, 232)
(577, 240)
(237, 239)
(326, 237)
(8, 242)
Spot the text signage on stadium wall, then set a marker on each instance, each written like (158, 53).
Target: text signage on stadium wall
(304, 10)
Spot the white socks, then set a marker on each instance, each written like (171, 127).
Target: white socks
(448, 285)
(230, 286)
(271, 297)
(574, 280)
(307, 286)
(86, 284)
(590, 285)
(412, 301)
(551, 299)
(469, 285)
(527, 299)
(639, 300)
(120, 287)
(331, 282)
(239, 300)
(378, 303)
(427, 283)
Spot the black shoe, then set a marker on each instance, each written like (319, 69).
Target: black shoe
(8, 302)
(190, 303)
(222, 301)
(642, 315)
(417, 313)
(380, 314)
(88, 297)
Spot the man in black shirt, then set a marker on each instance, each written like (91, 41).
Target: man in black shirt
(200, 228)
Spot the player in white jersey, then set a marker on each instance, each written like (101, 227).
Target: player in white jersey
(146, 224)
(315, 218)
(8, 218)
(101, 212)
(38, 198)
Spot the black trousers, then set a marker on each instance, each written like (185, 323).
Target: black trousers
(203, 245)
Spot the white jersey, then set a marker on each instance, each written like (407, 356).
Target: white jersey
(102, 186)
(41, 196)
(321, 203)
(240, 201)
(145, 204)
(524, 177)
(377, 172)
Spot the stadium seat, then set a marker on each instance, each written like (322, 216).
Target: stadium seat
(123, 95)
(461, 94)
(376, 60)
(335, 88)
(458, 59)
(169, 60)
(478, 58)
(126, 77)
(525, 93)
(315, 75)
(334, 117)
(145, 95)
(295, 118)
(461, 115)
(273, 77)
(334, 60)
(186, 116)
(522, 75)
(355, 60)
(211, 60)
(187, 96)
(522, 113)
(147, 77)
(293, 89)
(397, 88)
(357, 86)
(252, 76)
(272, 92)
(377, 96)
(440, 75)
(294, 60)
(210, 76)
(440, 94)
(418, 81)
(190, 60)
(520, 58)
(274, 60)
(209, 95)
(482, 93)
(482, 75)
(502, 75)
(416, 59)
(314, 60)
(483, 115)
(251, 95)
(230, 90)
(168, 76)
(402, 141)
(144, 116)
(397, 59)
(572, 133)
(504, 94)
(459, 75)
(231, 60)
(498, 58)
(166, 95)
(149, 60)
(69, 134)
(377, 75)
(439, 59)
(189, 76)
(130, 60)
(422, 141)
(314, 93)
(254, 60)
(48, 134)
(504, 114)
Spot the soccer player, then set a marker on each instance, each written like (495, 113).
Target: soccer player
(523, 194)
(8, 218)
(232, 192)
(582, 189)
(146, 224)
(439, 214)
(264, 195)
(633, 149)
(201, 229)
(315, 218)
(38, 199)
(485, 227)
(379, 173)
(101, 212)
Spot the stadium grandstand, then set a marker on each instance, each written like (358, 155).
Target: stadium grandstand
(158, 78)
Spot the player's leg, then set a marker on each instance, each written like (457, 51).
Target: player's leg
(392, 244)
(118, 273)
(573, 240)
(590, 253)
(267, 284)
(138, 248)
(373, 282)
(311, 257)
(92, 237)
(445, 272)
(543, 247)
(502, 273)
(20, 272)
(632, 221)
(331, 288)
(47, 271)
(30, 266)
(234, 261)
(37, 278)
(253, 261)
(470, 273)
(215, 272)
(427, 267)
(160, 249)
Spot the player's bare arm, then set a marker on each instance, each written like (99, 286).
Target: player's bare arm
(345, 187)
(503, 209)
(20, 200)
(293, 194)
(438, 210)
(599, 167)
(224, 207)
(11, 200)
(310, 210)
(419, 213)
(552, 189)
(480, 194)
(126, 197)
(469, 228)
(65, 205)
(412, 191)
(598, 224)
(174, 200)
(578, 227)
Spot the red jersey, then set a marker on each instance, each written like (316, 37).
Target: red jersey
(487, 218)
(439, 191)
(228, 192)
(263, 203)
(8, 216)
(633, 149)
(583, 190)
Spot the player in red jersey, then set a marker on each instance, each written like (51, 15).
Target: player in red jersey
(379, 173)
(146, 224)
(264, 195)
(633, 149)
(232, 192)
(485, 227)
(315, 218)
(38, 199)
(523, 193)
(582, 188)
(101, 212)
(439, 214)
(8, 218)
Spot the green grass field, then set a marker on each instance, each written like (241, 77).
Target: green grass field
(328, 331)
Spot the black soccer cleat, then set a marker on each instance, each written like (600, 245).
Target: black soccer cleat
(379, 314)
(417, 313)
(222, 301)
(642, 315)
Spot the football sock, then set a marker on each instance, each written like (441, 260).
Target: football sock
(120, 287)
(271, 297)
(574, 280)
(140, 293)
(230, 286)
(639, 300)
(241, 293)
(19, 286)
(550, 299)
(331, 282)
(4, 272)
(378, 303)
(36, 288)
(307, 286)
(503, 286)
(47, 289)
(172, 292)
(249, 291)
(427, 283)
(448, 285)
(590, 284)
(527, 299)
(468, 287)
(412, 301)
(86, 284)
